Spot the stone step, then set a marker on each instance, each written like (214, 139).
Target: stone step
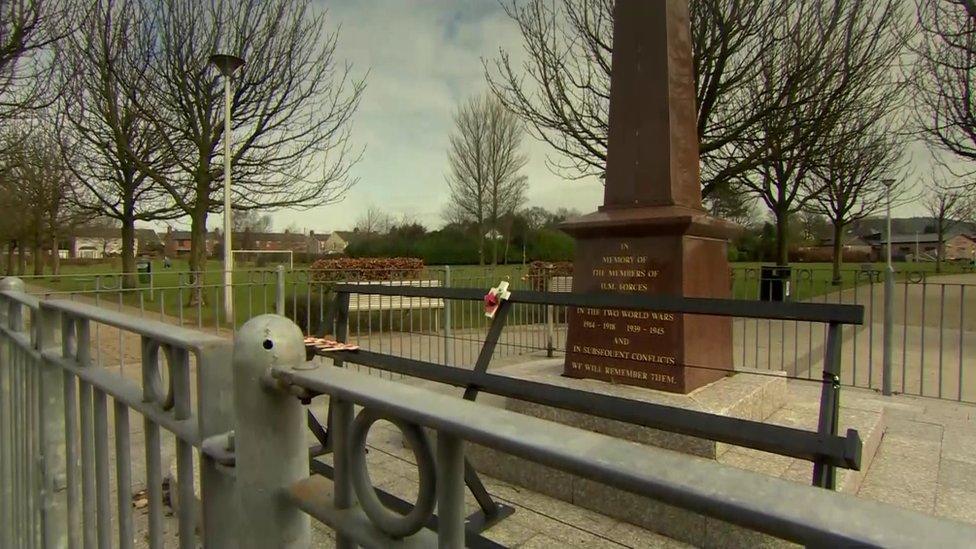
(763, 397)
(801, 410)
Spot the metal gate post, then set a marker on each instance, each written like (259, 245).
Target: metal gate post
(280, 291)
(216, 416)
(54, 510)
(824, 474)
(271, 452)
(889, 326)
(450, 491)
(448, 359)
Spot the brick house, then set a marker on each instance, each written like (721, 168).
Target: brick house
(100, 242)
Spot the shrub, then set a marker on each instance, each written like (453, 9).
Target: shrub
(550, 245)
(350, 269)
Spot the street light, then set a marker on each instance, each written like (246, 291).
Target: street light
(889, 290)
(227, 64)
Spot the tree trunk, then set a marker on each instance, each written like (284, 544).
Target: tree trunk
(11, 245)
(129, 279)
(481, 245)
(782, 239)
(939, 246)
(838, 252)
(37, 253)
(494, 245)
(55, 255)
(198, 254)
(21, 258)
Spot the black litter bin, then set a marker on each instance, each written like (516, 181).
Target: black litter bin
(774, 283)
(144, 268)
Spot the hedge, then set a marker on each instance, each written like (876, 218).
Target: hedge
(453, 247)
(355, 269)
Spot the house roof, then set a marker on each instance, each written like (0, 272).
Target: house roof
(272, 237)
(147, 235)
(922, 238)
(114, 232)
(97, 232)
(847, 240)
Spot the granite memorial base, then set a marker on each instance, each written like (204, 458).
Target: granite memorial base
(764, 397)
(753, 397)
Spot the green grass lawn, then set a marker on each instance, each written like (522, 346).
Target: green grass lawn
(255, 289)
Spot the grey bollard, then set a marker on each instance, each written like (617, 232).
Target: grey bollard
(11, 283)
(271, 450)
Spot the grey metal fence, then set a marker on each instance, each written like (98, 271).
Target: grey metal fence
(933, 325)
(61, 411)
(934, 318)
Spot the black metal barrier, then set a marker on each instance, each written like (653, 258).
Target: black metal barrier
(824, 448)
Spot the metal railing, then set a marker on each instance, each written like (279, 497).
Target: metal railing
(934, 329)
(56, 457)
(241, 410)
(807, 515)
(934, 319)
(824, 448)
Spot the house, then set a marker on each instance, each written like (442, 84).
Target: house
(849, 243)
(958, 246)
(328, 243)
(177, 243)
(853, 248)
(312, 243)
(100, 242)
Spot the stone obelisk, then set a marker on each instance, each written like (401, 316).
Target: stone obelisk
(651, 235)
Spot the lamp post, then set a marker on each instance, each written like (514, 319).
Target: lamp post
(227, 64)
(889, 290)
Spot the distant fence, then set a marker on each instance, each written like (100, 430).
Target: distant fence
(934, 321)
(933, 343)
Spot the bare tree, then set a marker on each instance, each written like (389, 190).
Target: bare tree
(831, 61)
(947, 205)
(29, 32)
(486, 161)
(251, 220)
(41, 184)
(849, 185)
(946, 69)
(562, 90)
(292, 107)
(105, 66)
(374, 221)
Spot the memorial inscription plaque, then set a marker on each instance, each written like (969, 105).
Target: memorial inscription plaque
(651, 236)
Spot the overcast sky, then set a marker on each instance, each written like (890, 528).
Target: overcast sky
(423, 57)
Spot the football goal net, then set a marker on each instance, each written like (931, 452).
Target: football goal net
(263, 258)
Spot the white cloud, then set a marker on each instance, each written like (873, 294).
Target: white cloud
(423, 58)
